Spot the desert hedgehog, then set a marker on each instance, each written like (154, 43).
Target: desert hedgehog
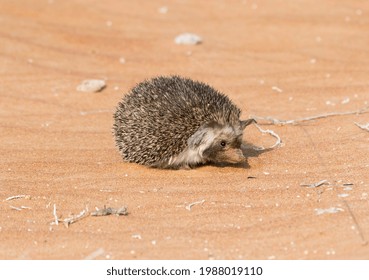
(175, 122)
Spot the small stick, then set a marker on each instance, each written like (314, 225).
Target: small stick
(17, 197)
(15, 208)
(314, 185)
(55, 216)
(74, 218)
(365, 242)
(271, 120)
(363, 126)
(188, 207)
(271, 132)
(20, 208)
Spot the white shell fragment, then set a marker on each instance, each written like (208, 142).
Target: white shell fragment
(331, 210)
(91, 86)
(188, 39)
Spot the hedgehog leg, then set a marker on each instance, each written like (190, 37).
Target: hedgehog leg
(185, 167)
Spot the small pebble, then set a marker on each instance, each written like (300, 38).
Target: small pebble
(188, 39)
(136, 236)
(345, 101)
(91, 86)
(277, 89)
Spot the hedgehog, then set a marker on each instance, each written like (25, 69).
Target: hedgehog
(171, 122)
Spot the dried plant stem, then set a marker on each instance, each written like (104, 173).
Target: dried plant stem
(74, 218)
(17, 197)
(188, 207)
(314, 185)
(271, 120)
(363, 126)
(271, 132)
(55, 215)
(365, 242)
(85, 213)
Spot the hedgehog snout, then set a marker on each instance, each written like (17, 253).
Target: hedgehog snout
(229, 155)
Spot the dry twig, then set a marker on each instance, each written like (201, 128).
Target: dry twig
(271, 120)
(314, 185)
(364, 241)
(271, 132)
(17, 197)
(188, 207)
(19, 208)
(363, 126)
(74, 218)
(55, 216)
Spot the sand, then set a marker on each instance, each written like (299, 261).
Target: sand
(281, 59)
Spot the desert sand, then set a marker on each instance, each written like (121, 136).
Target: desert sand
(282, 59)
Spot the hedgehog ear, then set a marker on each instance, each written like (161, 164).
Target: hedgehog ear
(200, 137)
(245, 123)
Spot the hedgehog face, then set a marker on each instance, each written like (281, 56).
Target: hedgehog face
(217, 143)
(223, 144)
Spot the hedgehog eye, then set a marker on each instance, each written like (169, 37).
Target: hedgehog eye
(223, 143)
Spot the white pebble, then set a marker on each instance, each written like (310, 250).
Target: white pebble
(346, 100)
(188, 39)
(91, 85)
(343, 195)
(136, 236)
(277, 89)
(313, 61)
(328, 102)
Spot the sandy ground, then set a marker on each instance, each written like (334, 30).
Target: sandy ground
(285, 59)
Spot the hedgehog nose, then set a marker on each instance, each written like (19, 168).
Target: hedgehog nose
(235, 156)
